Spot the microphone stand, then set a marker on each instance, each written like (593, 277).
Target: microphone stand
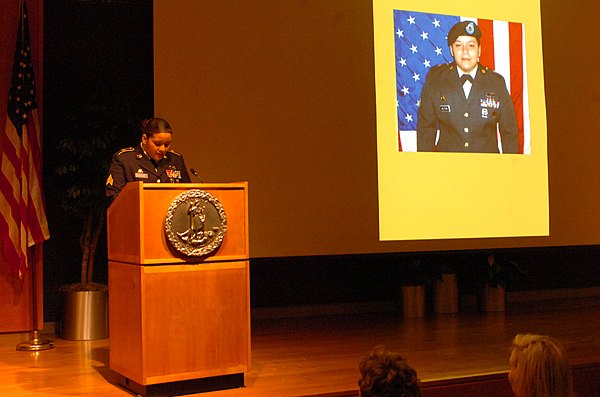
(193, 171)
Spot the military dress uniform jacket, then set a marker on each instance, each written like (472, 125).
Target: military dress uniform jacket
(466, 125)
(133, 165)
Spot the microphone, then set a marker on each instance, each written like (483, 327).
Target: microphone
(193, 171)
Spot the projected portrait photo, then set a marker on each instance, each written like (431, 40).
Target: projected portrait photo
(460, 84)
(445, 162)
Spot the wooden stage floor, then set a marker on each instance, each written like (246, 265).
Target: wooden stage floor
(320, 355)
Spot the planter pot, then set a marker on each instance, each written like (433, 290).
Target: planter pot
(446, 294)
(413, 301)
(85, 315)
(493, 299)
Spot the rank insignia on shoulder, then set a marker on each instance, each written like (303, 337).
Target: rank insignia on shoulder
(138, 156)
(125, 150)
(174, 152)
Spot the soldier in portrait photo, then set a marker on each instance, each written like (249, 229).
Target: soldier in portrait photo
(464, 106)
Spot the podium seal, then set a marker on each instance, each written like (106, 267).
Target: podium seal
(195, 223)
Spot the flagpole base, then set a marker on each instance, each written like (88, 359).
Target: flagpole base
(35, 344)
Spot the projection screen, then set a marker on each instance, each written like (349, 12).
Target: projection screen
(288, 96)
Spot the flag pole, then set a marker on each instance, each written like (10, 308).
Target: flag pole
(36, 343)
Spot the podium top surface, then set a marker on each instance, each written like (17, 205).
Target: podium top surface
(220, 185)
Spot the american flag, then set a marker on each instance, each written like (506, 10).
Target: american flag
(421, 43)
(24, 222)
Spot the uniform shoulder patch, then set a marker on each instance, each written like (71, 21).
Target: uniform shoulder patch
(439, 70)
(484, 69)
(443, 66)
(492, 73)
(125, 150)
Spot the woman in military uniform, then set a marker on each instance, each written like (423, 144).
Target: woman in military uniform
(151, 161)
(466, 102)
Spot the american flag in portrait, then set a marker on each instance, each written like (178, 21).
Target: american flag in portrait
(421, 43)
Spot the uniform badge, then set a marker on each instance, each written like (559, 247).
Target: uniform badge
(470, 28)
(141, 174)
(484, 113)
(445, 108)
(490, 101)
(172, 173)
(138, 156)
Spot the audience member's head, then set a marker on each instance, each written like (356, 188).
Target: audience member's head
(387, 374)
(539, 367)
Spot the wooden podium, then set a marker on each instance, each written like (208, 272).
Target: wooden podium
(177, 324)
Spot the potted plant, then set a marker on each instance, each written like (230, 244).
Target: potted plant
(445, 292)
(416, 276)
(497, 274)
(86, 144)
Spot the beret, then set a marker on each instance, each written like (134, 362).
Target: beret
(464, 28)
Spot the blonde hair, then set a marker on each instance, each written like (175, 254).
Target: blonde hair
(541, 367)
